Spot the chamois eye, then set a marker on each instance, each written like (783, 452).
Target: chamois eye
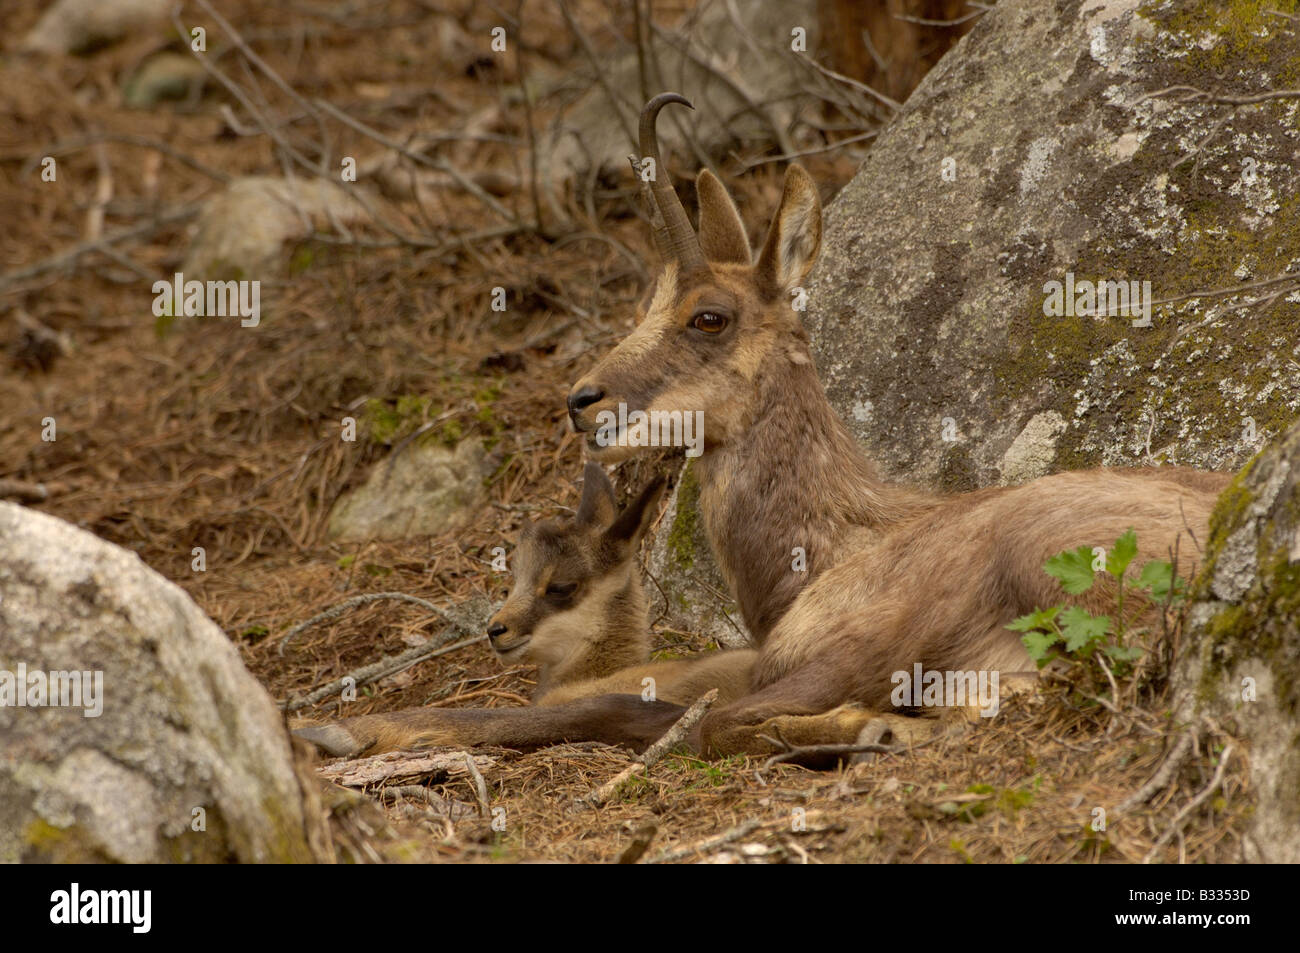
(561, 590)
(710, 322)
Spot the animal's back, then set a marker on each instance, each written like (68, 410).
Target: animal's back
(940, 588)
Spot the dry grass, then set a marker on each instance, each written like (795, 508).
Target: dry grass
(214, 437)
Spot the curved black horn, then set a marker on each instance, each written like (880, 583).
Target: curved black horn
(674, 236)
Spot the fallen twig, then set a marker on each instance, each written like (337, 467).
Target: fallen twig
(480, 786)
(829, 147)
(1176, 825)
(24, 491)
(671, 738)
(726, 837)
(389, 665)
(336, 610)
(69, 256)
(434, 162)
(401, 767)
(1160, 780)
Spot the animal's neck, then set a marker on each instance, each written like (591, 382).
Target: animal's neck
(796, 480)
(619, 637)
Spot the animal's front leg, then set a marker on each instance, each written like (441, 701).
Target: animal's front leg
(809, 692)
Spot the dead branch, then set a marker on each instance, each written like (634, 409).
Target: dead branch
(980, 10)
(758, 109)
(526, 93)
(243, 47)
(69, 257)
(24, 491)
(336, 610)
(433, 162)
(480, 786)
(403, 767)
(389, 665)
(1160, 780)
(671, 738)
(719, 840)
(829, 147)
(852, 83)
(620, 108)
(1176, 825)
(144, 142)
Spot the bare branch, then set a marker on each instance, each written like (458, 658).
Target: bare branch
(672, 737)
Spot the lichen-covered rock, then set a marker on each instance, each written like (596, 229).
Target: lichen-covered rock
(688, 593)
(1067, 142)
(1241, 660)
(171, 735)
(423, 490)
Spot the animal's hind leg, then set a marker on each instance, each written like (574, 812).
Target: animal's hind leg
(806, 707)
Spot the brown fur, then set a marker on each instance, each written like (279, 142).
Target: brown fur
(895, 576)
(577, 610)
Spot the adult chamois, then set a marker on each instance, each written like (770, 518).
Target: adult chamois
(895, 576)
(578, 611)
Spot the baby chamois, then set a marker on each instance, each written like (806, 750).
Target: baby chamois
(895, 576)
(577, 610)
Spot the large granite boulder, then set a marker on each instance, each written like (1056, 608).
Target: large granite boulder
(162, 747)
(1084, 140)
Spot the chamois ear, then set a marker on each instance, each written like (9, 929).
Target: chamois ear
(722, 233)
(599, 505)
(633, 522)
(795, 234)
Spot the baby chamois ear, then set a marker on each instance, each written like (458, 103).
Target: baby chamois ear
(633, 522)
(599, 506)
(794, 237)
(722, 233)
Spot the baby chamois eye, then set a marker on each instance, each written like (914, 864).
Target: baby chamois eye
(561, 590)
(710, 322)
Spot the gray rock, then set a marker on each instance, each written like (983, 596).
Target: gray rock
(1031, 454)
(927, 305)
(163, 76)
(423, 490)
(241, 231)
(1243, 640)
(79, 26)
(182, 725)
(734, 62)
(688, 592)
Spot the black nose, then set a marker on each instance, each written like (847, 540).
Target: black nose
(581, 399)
(495, 629)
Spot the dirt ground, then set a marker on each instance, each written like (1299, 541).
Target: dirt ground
(206, 434)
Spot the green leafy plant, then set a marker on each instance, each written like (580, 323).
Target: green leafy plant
(1078, 633)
